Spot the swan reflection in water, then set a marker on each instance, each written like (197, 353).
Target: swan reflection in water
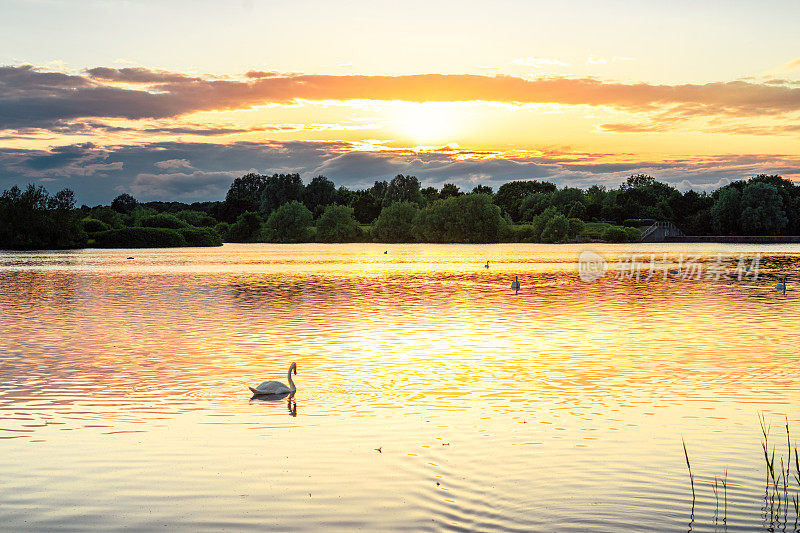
(291, 403)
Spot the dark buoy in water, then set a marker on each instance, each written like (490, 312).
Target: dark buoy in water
(130, 258)
(515, 284)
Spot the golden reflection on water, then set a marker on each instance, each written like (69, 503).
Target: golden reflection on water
(124, 401)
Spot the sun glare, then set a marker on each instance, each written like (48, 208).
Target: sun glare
(428, 123)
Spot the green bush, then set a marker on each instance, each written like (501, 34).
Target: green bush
(520, 233)
(222, 230)
(196, 218)
(396, 223)
(291, 222)
(637, 222)
(595, 229)
(163, 220)
(92, 225)
(633, 234)
(139, 238)
(107, 215)
(338, 225)
(201, 237)
(615, 234)
(139, 213)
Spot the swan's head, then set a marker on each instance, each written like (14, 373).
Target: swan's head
(293, 369)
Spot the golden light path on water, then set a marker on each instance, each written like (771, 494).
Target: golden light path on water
(124, 401)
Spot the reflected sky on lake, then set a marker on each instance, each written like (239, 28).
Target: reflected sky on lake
(124, 399)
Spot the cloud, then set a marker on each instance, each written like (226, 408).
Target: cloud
(173, 163)
(635, 128)
(137, 75)
(788, 67)
(204, 171)
(255, 74)
(194, 186)
(31, 97)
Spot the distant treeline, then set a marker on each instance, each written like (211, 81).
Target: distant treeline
(280, 208)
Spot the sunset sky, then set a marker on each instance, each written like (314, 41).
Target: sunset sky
(172, 100)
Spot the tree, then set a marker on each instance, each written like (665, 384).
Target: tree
(429, 194)
(246, 229)
(345, 196)
(378, 190)
(449, 190)
(638, 180)
(33, 219)
(595, 197)
(291, 222)
(687, 209)
(556, 229)
(726, 210)
(124, 203)
(280, 189)
(510, 195)
(564, 199)
(790, 195)
(535, 204)
(762, 209)
(320, 192)
(366, 208)
(577, 210)
(403, 189)
(471, 218)
(243, 195)
(644, 197)
(396, 223)
(338, 225)
(576, 226)
(482, 189)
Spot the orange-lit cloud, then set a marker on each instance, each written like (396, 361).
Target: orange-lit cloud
(31, 97)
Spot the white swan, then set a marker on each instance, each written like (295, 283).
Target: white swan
(515, 284)
(276, 387)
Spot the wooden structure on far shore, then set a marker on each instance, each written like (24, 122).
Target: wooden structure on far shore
(661, 232)
(669, 232)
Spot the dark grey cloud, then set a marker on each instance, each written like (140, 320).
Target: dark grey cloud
(204, 171)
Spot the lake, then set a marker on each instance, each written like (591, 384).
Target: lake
(431, 396)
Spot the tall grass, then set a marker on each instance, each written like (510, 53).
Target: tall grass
(781, 481)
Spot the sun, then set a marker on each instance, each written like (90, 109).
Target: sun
(428, 123)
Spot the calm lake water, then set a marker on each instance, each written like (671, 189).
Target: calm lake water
(430, 396)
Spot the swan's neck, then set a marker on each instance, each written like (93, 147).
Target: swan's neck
(291, 383)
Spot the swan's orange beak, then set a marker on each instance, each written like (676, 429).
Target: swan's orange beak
(295, 370)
